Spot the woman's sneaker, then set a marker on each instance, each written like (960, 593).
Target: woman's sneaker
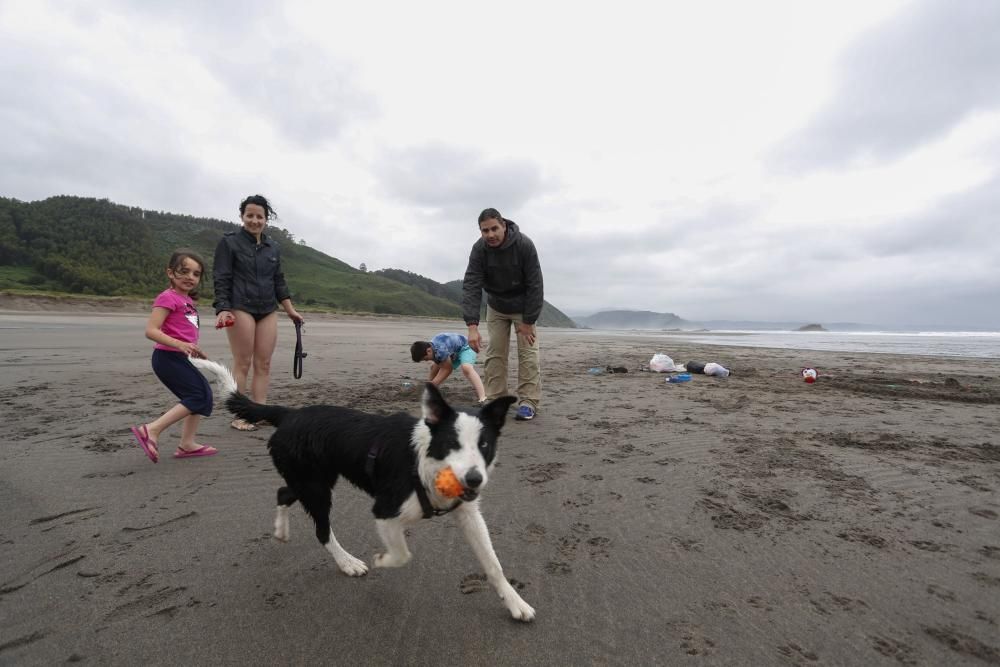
(524, 413)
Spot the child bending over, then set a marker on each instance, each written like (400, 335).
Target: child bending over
(447, 352)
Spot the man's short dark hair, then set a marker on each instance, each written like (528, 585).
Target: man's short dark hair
(419, 350)
(490, 214)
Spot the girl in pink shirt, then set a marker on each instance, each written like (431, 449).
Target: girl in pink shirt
(173, 326)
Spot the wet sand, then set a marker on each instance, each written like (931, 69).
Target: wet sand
(750, 520)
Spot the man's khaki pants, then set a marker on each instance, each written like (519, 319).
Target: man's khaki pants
(529, 378)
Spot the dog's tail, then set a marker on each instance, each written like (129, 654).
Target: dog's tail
(237, 403)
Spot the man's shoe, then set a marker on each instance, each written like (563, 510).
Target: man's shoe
(524, 413)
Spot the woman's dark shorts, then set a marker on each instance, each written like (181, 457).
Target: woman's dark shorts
(180, 376)
(257, 317)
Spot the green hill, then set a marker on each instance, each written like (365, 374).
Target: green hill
(88, 246)
(447, 291)
(452, 291)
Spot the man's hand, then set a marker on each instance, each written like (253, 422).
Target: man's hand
(474, 338)
(526, 331)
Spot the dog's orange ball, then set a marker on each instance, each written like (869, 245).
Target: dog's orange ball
(447, 484)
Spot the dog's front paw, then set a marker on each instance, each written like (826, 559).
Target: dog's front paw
(281, 524)
(351, 566)
(519, 609)
(391, 560)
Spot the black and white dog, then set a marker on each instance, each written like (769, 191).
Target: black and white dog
(395, 459)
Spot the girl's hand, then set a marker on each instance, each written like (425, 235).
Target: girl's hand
(223, 318)
(294, 316)
(191, 350)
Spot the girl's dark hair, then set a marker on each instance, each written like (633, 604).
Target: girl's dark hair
(177, 262)
(419, 349)
(490, 214)
(261, 201)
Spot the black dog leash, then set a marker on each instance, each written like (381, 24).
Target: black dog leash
(299, 354)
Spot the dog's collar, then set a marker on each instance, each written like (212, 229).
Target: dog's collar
(425, 502)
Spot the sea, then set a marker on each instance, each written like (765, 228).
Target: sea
(975, 344)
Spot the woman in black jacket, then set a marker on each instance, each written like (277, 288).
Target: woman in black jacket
(249, 285)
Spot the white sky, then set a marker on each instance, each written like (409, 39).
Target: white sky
(769, 161)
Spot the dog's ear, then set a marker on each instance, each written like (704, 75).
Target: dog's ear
(435, 408)
(495, 412)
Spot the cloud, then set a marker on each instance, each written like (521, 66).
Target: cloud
(268, 69)
(461, 182)
(305, 94)
(297, 87)
(78, 133)
(962, 223)
(904, 83)
(651, 196)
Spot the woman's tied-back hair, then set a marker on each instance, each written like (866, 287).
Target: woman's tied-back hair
(261, 201)
(490, 214)
(419, 350)
(176, 263)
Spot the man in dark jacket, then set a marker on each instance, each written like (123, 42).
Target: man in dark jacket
(504, 263)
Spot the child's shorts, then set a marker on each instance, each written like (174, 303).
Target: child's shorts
(180, 376)
(465, 356)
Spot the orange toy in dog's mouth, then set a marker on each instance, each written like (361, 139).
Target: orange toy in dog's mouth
(447, 484)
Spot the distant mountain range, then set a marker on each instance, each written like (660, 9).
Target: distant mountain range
(645, 320)
(631, 319)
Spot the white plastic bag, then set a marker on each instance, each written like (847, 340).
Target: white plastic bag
(661, 363)
(716, 369)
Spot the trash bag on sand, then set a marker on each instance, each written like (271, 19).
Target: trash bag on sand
(715, 369)
(661, 363)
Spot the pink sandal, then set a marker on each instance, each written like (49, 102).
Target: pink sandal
(148, 445)
(203, 450)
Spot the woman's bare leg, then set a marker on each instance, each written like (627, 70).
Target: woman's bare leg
(241, 344)
(265, 340)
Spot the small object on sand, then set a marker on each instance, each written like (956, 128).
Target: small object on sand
(661, 363)
(680, 377)
(406, 385)
(596, 370)
(447, 484)
(710, 368)
(616, 369)
(718, 370)
(809, 375)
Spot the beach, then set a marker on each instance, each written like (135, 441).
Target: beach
(754, 519)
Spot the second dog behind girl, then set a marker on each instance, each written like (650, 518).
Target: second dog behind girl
(173, 326)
